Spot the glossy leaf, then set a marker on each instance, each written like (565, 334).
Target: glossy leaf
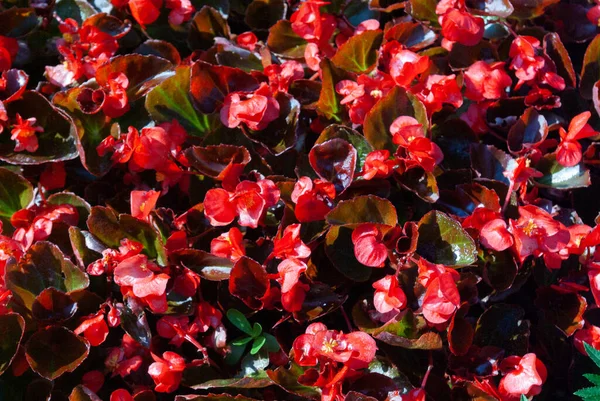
(284, 41)
(363, 209)
(560, 177)
(207, 24)
(170, 100)
(52, 305)
(359, 53)
(443, 241)
(334, 161)
(502, 325)
(53, 351)
(248, 281)
(555, 49)
(208, 266)
(529, 130)
(16, 193)
(329, 105)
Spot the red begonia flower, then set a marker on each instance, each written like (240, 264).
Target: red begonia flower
(530, 64)
(590, 334)
(367, 25)
(282, 75)
(429, 271)
(485, 81)
(116, 102)
(369, 248)
(167, 371)
(525, 376)
(137, 273)
(9, 47)
(312, 56)
(310, 24)
(176, 328)
(229, 245)
(495, 235)
(415, 148)
(437, 90)
(388, 295)
(145, 12)
(405, 65)
(569, 152)
(462, 27)
(313, 199)
(290, 244)
(142, 203)
(181, 11)
(121, 395)
(94, 329)
(247, 40)
(441, 299)
(24, 133)
(361, 95)
(293, 291)
(378, 165)
(255, 109)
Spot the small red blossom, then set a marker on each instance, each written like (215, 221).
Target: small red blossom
(94, 329)
(378, 165)
(404, 65)
(590, 334)
(462, 27)
(255, 109)
(485, 81)
(293, 291)
(313, 199)
(229, 245)
(495, 235)
(145, 12)
(247, 40)
(438, 90)
(369, 248)
(531, 65)
(9, 47)
(441, 299)
(94, 380)
(524, 375)
(414, 147)
(116, 102)
(249, 203)
(181, 11)
(389, 296)
(569, 152)
(290, 245)
(121, 395)
(167, 371)
(310, 24)
(142, 203)
(361, 95)
(281, 76)
(24, 133)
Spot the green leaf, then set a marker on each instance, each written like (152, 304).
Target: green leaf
(56, 143)
(241, 341)
(329, 105)
(284, 42)
(110, 229)
(78, 10)
(363, 209)
(170, 100)
(271, 343)
(238, 319)
(256, 329)
(257, 344)
(53, 351)
(424, 10)
(442, 240)
(359, 53)
(42, 266)
(12, 327)
(523, 398)
(379, 119)
(16, 193)
(560, 177)
(593, 353)
(589, 393)
(594, 379)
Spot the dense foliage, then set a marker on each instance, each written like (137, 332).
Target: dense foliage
(292, 200)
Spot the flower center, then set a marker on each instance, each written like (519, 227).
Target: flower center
(530, 227)
(376, 93)
(329, 346)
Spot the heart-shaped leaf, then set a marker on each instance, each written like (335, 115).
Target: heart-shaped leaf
(42, 266)
(284, 42)
(413, 35)
(558, 176)
(442, 240)
(490, 162)
(53, 351)
(170, 100)
(529, 130)
(143, 73)
(364, 209)
(16, 193)
(109, 228)
(379, 119)
(56, 143)
(52, 305)
(334, 161)
(359, 53)
(12, 327)
(362, 146)
(160, 48)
